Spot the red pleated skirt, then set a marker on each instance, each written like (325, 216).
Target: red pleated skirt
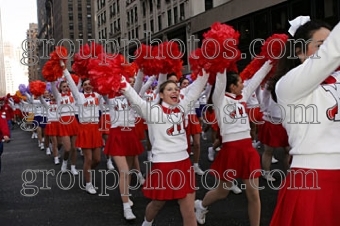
(104, 124)
(68, 126)
(211, 119)
(273, 135)
(140, 128)
(89, 136)
(193, 126)
(170, 180)
(255, 115)
(308, 199)
(236, 159)
(123, 142)
(52, 128)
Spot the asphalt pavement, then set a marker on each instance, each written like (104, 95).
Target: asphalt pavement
(34, 192)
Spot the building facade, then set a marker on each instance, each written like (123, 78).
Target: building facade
(31, 57)
(2, 64)
(125, 24)
(64, 22)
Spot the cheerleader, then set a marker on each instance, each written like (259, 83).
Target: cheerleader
(68, 125)
(271, 133)
(147, 92)
(193, 127)
(123, 145)
(51, 129)
(89, 138)
(39, 120)
(104, 128)
(306, 81)
(237, 157)
(169, 145)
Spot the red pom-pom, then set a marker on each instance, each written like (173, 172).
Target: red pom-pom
(52, 69)
(37, 87)
(218, 52)
(272, 49)
(105, 73)
(128, 69)
(16, 99)
(75, 78)
(82, 58)
(219, 47)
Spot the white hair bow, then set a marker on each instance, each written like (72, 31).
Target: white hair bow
(296, 23)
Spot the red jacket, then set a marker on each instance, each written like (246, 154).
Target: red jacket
(4, 130)
(8, 110)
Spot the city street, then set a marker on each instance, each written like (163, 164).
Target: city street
(33, 192)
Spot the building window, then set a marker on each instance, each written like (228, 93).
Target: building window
(175, 15)
(159, 23)
(208, 4)
(158, 4)
(244, 29)
(144, 9)
(151, 26)
(117, 6)
(136, 14)
(131, 15)
(279, 20)
(261, 26)
(137, 35)
(304, 8)
(144, 30)
(181, 11)
(151, 5)
(169, 17)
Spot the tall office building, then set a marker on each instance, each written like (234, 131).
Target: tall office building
(32, 56)
(65, 22)
(2, 64)
(186, 20)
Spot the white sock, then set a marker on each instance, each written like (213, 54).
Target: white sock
(65, 162)
(88, 184)
(73, 167)
(126, 205)
(139, 174)
(147, 223)
(195, 164)
(201, 206)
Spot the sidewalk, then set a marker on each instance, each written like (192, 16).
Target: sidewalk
(33, 193)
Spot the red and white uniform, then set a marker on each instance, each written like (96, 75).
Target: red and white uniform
(271, 132)
(68, 124)
(88, 135)
(123, 140)
(169, 143)
(314, 139)
(51, 108)
(237, 152)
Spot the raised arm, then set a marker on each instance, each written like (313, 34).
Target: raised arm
(135, 99)
(146, 85)
(219, 92)
(193, 94)
(256, 80)
(80, 99)
(161, 79)
(139, 81)
(309, 75)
